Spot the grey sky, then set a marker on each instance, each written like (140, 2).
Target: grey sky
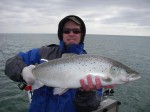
(117, 17)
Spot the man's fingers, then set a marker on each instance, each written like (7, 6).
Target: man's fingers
(89, 81)
(90, 85)
(84, 86)
(98, 83)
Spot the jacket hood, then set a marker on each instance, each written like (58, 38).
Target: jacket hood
(75, 19)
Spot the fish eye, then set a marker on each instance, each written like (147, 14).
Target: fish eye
(114, 68)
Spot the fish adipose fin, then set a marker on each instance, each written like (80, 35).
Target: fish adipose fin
(59, 91)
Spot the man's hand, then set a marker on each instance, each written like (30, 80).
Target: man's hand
(90, 85)
(28, 75)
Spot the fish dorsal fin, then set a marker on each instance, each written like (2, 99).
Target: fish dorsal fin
(66, 55)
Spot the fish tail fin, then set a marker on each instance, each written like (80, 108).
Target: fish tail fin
(37, 85)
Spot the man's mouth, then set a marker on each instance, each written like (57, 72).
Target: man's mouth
(71, 40)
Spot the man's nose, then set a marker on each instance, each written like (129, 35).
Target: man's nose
(71, 33)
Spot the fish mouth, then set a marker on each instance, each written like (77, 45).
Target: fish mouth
(133, 77)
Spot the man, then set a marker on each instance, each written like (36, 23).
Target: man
(71, 33)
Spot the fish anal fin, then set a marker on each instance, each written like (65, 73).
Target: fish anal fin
(59, 91)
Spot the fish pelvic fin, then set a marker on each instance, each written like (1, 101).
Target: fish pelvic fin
(59, 91)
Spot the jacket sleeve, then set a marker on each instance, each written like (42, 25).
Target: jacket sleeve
(87, 101)
(15, 65)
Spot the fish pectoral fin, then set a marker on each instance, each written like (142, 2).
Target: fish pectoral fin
(106, 79)
(59, 91)
(37, 85)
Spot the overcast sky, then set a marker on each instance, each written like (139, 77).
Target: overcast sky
(112, 17)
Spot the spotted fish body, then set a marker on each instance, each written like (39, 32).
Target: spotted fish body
(66, 72)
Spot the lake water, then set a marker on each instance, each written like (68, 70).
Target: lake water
(133, 51)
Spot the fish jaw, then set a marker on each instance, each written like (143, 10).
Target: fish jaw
(130, 78)
(133, 77)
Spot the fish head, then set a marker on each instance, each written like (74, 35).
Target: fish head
(123, 74)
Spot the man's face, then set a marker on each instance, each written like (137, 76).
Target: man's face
(71, 33)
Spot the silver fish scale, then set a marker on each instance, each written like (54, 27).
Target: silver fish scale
(81, 61)
(76, 67)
